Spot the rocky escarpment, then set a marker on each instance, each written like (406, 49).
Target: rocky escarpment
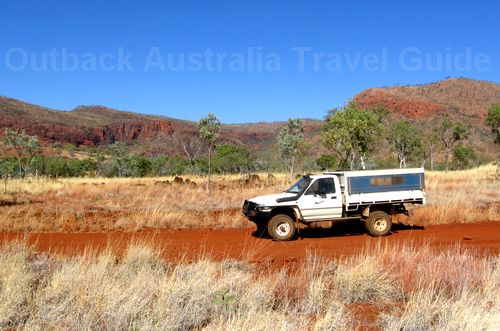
(460, 98)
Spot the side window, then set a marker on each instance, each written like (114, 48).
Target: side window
(322, 186)
(313, 189)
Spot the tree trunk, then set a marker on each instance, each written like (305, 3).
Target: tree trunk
(209, 167)
(497, 176)
(362, 162)
(292, 161)
(446, 159)
(20, 167)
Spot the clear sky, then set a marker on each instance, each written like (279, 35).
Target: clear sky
(246, 61)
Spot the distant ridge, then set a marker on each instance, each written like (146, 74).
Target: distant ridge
(462, 99)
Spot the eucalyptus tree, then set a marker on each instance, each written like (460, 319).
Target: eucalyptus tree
(289, 140)
(209, 131)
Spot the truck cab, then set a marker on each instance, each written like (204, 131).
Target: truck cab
(372, 196)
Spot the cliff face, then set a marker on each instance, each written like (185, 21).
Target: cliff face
(82, 135)
(96, 125)
(85, 125)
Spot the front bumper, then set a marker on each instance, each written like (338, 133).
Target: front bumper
(254, 212)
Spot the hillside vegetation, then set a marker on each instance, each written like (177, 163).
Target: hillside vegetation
(461, 99)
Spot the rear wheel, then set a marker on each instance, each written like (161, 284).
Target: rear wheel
(281, 227)
(379, 223)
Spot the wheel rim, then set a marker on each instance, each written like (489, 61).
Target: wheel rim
(380, 224)
(282, 229)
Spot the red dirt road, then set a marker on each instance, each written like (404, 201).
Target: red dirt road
(340, 241)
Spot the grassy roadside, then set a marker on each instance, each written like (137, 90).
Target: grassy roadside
(391, 287)
(132, 204)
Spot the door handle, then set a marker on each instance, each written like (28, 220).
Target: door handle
(335, 197)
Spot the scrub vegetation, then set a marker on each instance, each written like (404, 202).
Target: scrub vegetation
(390, 287)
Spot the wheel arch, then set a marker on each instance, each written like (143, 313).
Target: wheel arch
(287, 210)
(387, 208)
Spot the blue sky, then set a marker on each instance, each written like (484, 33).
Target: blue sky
(245, 61)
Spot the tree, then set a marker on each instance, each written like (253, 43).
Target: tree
(139, 166)
(26, 148)
(231, 159)
(463, 157)
(326, 162)
(289, 140)
(37, 164)
(493, 121)
(405, 141)
(451, 133)
(168, 166)
(209, 130)
(430, 142)
(7, 168)
(191, 146)
(61, 167)
(56, 167)
(99, 158)
(119, 153)
(350, 132)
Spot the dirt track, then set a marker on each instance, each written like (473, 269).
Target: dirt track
(342, 240)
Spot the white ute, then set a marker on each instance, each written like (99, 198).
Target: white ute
(372, 196)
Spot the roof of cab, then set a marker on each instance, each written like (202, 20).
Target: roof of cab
(357, 173)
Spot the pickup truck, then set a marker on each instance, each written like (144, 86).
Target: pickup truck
(372, 196)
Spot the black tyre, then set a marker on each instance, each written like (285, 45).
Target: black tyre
(281, 227)
(379, 223)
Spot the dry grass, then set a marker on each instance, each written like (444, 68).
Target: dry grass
(460, 197)
(141, 291)
(90, 204)
(96, 204)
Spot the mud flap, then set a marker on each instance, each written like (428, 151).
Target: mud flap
(366, 212)
(298, 217)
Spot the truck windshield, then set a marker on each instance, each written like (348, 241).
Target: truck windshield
(300, 186)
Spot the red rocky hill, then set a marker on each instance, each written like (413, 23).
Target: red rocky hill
(458, 97)
(462, 99)
(97, 125)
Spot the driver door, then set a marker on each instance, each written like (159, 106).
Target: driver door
(321, 201)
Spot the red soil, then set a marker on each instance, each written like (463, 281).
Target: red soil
(340, 241)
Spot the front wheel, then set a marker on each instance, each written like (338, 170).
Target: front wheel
(379, 223)
(281, 227)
